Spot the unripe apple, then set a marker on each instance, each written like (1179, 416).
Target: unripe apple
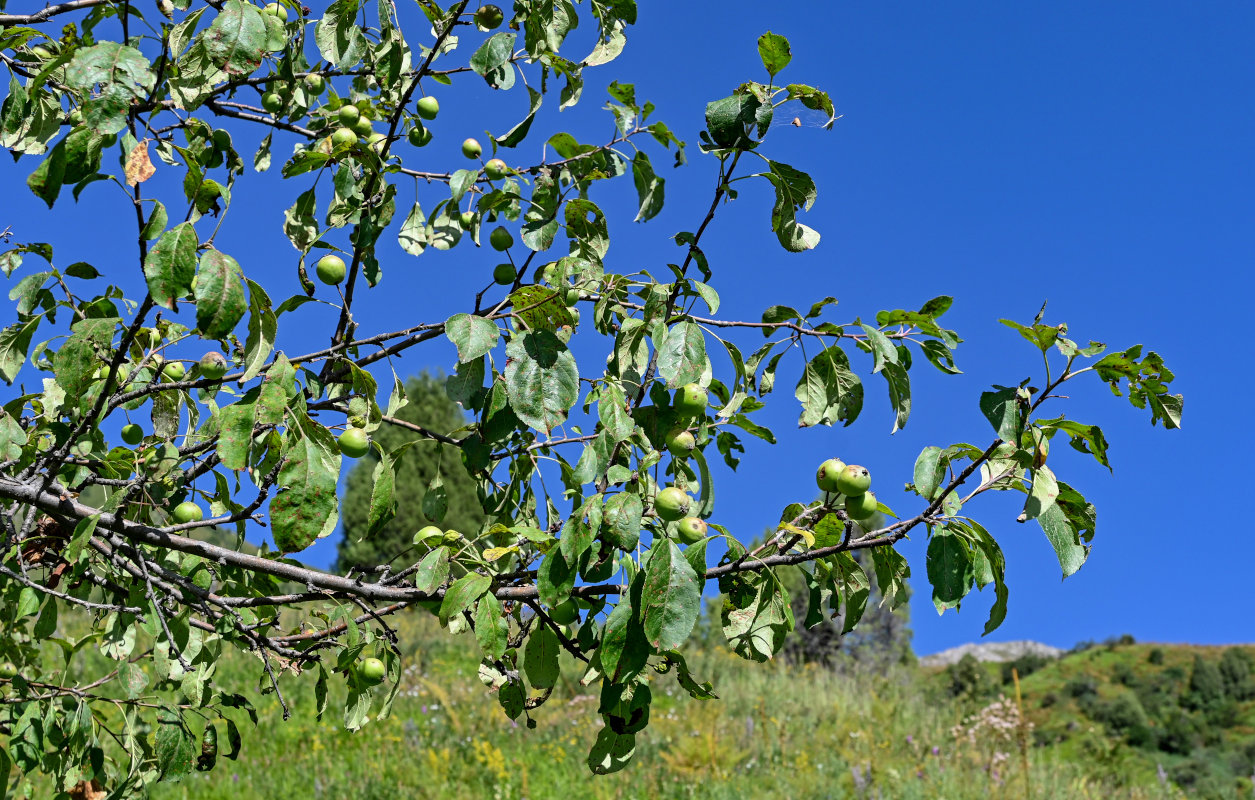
(376, 141)
(343, 137)
(132, 433)
(213, 366)
(471, 148)
(500, 239)
(428, 535)
(571, 296)
(574, 313)
(354, 443)
(419, 136)
(827, 474)
(861, 506)
(274, 9)
(363, 127)
(330, 269)
(371, 671)
(566, 612)
(41, 52)
(495, 169)
(489, 17)
(504, 274)
(8, 670)
(76, 116)
(672, 503)
(690, 400)
(427, 107)
(467, 219)
(174, 370)
(691, 530)
(272, 102)
(681, 443)
(853, 480)
(315, 83)
(348, 114)
(187, 511)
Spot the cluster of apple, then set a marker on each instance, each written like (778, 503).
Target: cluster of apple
(851, 480)
(673, 504)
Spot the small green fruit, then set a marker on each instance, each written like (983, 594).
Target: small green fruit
(419, 136)
(467, 218)
(357, 421)
(41, 52)
(371, 671)
(343, 137)
(428, 535)
(495, 169)
(354, 443)
(274, 9)
(8, 670)
(504, 274)
(187, 511)
(213, 366)
(566, 612)
(174, 370)
(76, 116)
(681, 443)
(861, 506)
(315, 84)
(132, 433)
(471, 148)
(376, 141)
(827, 474)
(427, 107)
(272, 102)
(691, 530)
(489, 17)
(672, 503)
(348, 114)
(571, 296)
(691, 400)
(330, 270)
(363, 127)
(500, 239)
(853, 480)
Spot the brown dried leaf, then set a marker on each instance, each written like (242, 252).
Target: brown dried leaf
(139, 167)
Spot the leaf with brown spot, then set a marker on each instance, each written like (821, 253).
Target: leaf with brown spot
(139, 167)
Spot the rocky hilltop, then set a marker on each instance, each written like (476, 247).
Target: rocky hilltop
(990, 651)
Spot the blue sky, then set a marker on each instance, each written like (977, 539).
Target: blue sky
(1096, 156)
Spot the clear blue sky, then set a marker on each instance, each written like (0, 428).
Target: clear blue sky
(1097, 156)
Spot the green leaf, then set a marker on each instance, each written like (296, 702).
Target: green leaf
(555, 578)
(611, 751)
(541, 378)
(383, 504)
(433, 570)
(338, 35)
(14, 342)
(671, 597)
(1042, 496)
(795, 191)
(1002, 409)
(682, 357)
(298, 221)
(756, 618)
(728, 120)
(899, 394)
(47, 178)
(622, 520)
(464, 591)
(828, 390)
(174, 750)
(540, 308)
(109, 76)
(892, 572)
(540, 658)
(649, 187)
(492, 60)
(219, 292)
(263, 327)
(236, 41)
(491, 627)
(474, 336)
(774, 50)
(1083, 438)
(950, 569)
(171, 265)
(1064, 523)
(80, 356)
(306, 506)
(930, 471)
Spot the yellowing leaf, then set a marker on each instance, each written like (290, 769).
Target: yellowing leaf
(139, 167)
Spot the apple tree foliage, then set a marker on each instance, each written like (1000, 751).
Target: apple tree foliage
(103, 94)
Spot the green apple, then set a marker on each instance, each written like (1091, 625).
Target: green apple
(860, 506)
(467, 219)
(8, 670)
(504, 274)
(471, 148)
(354, 443)
(343, 137)
(76, 116)
(348, 114)
(371, 671)
(174, 370)
(330, 269)
(853, 480)
(132, 433)
(489, 17)
(187, 511)
(495, 169)
(690, 400)
(571, 296)
(272, 102)
(315, 83)
(691, 530)
(428, 535)
(363, 127)
(681, 443)
(500, 239)
(672, 503)
(827, 474)
(566, 612)
(213, 365)
(274, 9)
(376, 141)
(427, 107)
(419, 136)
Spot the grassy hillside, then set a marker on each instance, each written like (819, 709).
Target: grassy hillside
(779, 731)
